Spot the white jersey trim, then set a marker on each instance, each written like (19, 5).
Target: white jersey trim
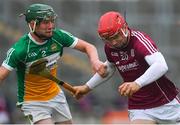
(145, 42)
(74, 43)
(38, 43)
(7, 66)
(162, 91)
(9, 53)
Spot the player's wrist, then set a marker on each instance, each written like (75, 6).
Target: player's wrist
(138, 82)
(87, 88)
(137, 85)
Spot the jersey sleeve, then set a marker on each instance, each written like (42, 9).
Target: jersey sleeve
(65, 38)
(11, 59)
(144, 45)
(16, 55)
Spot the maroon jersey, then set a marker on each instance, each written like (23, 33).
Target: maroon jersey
(131, 64)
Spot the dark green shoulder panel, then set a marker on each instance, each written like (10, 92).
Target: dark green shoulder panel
(64, 38)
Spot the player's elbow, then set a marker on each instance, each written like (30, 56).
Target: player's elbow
(92, 47)
(164, 67)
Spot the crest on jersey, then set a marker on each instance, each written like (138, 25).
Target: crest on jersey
(53, 47)
(132, 53)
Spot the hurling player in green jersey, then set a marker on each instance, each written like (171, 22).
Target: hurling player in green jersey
(41, 99)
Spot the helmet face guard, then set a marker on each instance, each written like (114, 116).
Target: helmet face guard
(111, 24)
(39, 12)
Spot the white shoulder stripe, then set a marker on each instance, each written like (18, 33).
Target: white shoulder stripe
(148, 42)
(145, 42)
(9, 53)
(142, 42)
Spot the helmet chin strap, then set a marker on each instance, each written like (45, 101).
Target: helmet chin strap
(32, 29)
(125, 33)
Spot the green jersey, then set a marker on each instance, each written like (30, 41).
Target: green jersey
(26, 51)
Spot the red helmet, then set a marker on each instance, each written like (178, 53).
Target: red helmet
(110, 24)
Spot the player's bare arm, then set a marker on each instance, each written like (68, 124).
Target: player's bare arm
(91, 51)
(3, 73)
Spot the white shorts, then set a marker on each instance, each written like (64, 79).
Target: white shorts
(56, 108)
(168, 113)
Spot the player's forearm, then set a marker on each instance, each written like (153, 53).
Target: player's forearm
(87, 48)
(1, 77)
(92, 53)
(3, 73)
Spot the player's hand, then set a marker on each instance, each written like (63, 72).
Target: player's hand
(128, 88)
(81, 91)
(100, 68)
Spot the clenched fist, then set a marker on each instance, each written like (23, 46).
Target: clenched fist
(81, 91)
(128, 88)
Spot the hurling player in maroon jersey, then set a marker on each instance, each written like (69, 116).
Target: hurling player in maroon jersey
(152, 97)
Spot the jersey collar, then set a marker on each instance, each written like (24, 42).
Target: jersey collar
(30, 36)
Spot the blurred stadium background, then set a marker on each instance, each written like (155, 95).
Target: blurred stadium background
(159, 18)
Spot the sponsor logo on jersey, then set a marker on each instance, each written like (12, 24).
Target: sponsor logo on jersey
(128, 67)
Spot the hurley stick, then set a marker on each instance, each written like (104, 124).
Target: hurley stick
(39, 68)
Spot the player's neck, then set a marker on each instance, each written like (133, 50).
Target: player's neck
(39, 40)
